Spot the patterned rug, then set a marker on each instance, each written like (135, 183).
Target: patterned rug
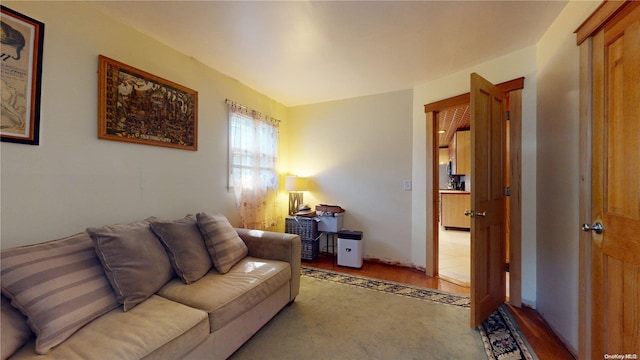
(501, 338)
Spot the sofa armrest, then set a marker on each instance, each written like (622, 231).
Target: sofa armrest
(276, 246)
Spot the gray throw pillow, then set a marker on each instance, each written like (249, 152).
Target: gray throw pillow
(184, 243)
(59, 285)
(224, 245)
(133, 259)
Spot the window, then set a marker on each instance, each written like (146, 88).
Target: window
(253, 157)
(253, 152)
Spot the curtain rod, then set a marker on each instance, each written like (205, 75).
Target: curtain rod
(238, 105)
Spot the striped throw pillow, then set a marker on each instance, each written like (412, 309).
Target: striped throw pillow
(186, 249)
(224, 245)
(59, 285)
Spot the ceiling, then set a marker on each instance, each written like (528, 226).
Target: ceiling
(450, 121)
(304, 52)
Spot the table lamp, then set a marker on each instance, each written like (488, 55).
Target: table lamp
(295, 185)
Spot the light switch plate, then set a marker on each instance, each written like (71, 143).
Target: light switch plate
(407, 185)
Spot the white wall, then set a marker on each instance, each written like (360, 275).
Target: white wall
(73, 180)
(357, 153)
(518, 64)
(558, 170)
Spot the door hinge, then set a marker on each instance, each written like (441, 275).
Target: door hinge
(507, 191)
(506, 267)
(507, 115)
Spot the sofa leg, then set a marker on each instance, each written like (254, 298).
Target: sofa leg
(291, 302)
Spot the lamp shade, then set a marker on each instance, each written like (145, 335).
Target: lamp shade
(295, 183)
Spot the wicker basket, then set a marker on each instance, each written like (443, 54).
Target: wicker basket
(307, 228)
(310, 249)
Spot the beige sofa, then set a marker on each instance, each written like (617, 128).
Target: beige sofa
(72, 293)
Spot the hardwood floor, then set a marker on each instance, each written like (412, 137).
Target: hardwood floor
(542, 339)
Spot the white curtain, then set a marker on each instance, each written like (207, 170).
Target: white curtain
(253, 156)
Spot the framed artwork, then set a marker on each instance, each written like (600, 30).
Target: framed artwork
(135, 106)
(21, 75)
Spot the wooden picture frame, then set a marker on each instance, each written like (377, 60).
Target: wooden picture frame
(21, 68)
(135, 106)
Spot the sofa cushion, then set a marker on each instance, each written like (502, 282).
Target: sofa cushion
(155, 329)
(227, 296)
(133, 258)
(184, 243)
(59, 285)
(224, 245)
(13, 327)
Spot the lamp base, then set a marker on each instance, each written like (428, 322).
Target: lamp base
(295, 200)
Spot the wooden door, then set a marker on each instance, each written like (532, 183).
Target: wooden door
(615, 187)
(488, 277)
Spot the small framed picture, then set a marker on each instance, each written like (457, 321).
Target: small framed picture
(135, 106)
(21, 76)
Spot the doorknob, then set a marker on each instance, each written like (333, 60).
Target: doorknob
(474, 214)
(596, 227)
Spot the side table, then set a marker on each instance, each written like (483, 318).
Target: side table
(331, 235)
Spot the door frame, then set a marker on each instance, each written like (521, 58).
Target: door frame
(514, 88)
(584, 201)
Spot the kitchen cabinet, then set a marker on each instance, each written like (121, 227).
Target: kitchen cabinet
(460, 153)
(463, 152)
(443, 156)
(453, 204)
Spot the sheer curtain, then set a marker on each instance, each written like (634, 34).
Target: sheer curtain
(253, 156)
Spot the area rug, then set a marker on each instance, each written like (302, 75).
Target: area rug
(501, 337)
(389, 287)
(351, 317)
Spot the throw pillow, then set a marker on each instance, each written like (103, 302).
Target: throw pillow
(224, 245)
(13, 327)
(59, 285)
(133, 259)
(187, 252)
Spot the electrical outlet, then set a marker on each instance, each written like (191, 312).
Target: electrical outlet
(407, 185)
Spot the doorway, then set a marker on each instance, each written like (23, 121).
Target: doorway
(513, 92)
(454, 155)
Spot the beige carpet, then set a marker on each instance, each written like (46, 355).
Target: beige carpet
(330, 320)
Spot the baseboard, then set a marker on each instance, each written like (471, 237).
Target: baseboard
(421, 269)
(528, 304)
(547, 327)
(564, 341)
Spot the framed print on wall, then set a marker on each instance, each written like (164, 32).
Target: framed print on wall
(135, 106)
(21, 43)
